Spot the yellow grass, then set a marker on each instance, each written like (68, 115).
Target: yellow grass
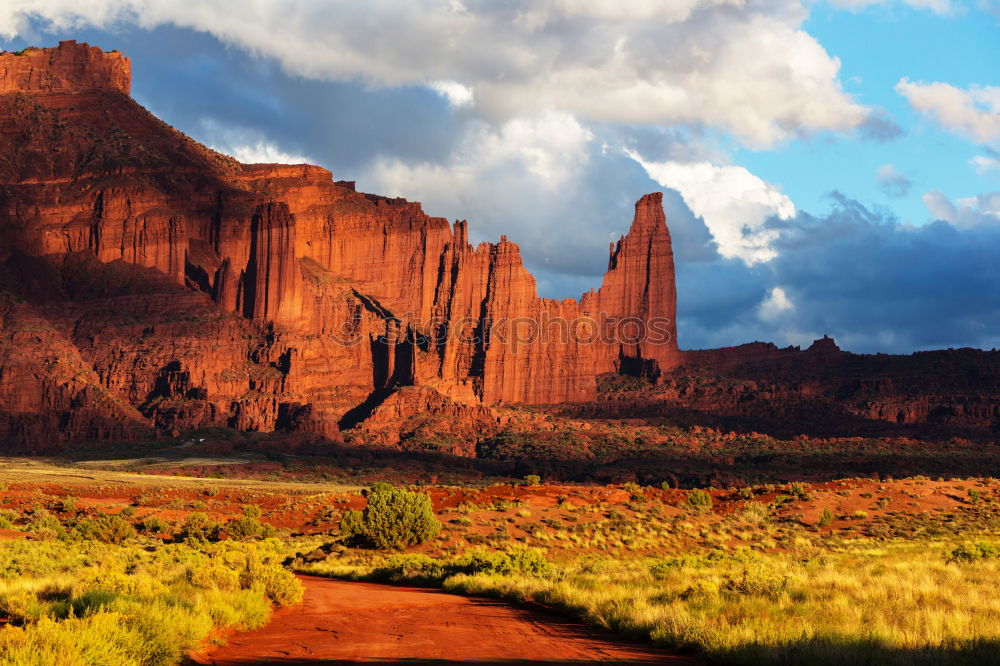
(898, 604)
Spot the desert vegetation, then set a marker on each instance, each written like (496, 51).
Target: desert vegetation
(84, 601)
(740, 576)
(857, 570)
(857, 604)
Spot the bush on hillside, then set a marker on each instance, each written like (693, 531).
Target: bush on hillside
(393, 519)
(700, 499)
(105, 528)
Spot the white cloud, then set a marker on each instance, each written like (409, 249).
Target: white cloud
(456, 94)
(734, 65)
(548, 149)
(966, 212)
(775, 305)
(248, 146)
(892, 181)
(984, 163)
(936, 6)
(974, 113)
(735, 204)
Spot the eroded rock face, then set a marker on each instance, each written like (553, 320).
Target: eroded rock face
(637, 302)
(71, 66)
(163, 286)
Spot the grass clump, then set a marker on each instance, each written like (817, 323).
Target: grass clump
(127, 605)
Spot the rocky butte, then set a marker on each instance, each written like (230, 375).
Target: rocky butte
(151, 285)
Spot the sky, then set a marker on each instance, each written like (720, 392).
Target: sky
(829, 167)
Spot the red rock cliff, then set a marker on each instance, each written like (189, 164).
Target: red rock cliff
(69, 67)
(192, 290)
(636, 305)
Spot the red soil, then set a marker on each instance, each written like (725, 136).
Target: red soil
(345, 623)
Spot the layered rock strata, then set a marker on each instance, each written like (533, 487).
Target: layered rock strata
(164, 286)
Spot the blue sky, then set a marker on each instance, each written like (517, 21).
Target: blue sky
(877, 46)
(829, 167)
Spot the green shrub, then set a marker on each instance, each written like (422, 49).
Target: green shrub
(276, 582)
(80, 604)
(414, 568)
(532, 479)
(248, 527)
(104, 528)
(352, 525)
(45, 524)
(634, 490)
(973, 552)
(420, 568)
(198, 527)
(252, 511)
(700, 499)
(975, 495)
(517, 560)
(214, 576)
(825, 517)
(153, 525)
(798, 490)
(396, 518)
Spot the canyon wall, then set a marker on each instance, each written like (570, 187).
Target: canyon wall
(187, 289)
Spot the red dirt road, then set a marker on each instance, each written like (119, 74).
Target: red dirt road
(347, 623)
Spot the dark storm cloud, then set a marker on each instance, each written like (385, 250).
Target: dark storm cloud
(860, 276)
(190, 78)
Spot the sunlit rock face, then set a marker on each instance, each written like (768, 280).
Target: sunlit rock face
(149, 285)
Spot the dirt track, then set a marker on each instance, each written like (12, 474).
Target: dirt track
(347, 623)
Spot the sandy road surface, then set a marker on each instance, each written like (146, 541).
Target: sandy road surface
(345, 623)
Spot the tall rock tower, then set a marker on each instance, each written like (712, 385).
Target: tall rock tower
(636, 306)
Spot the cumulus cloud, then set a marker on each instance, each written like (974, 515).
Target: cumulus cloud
(736, 205)
(247, 145)
(775, 305)
(550, 147)
(453, 91)
(892, 181)
(984, 163)
(742, 67)
(974, 113)
(966, 212)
